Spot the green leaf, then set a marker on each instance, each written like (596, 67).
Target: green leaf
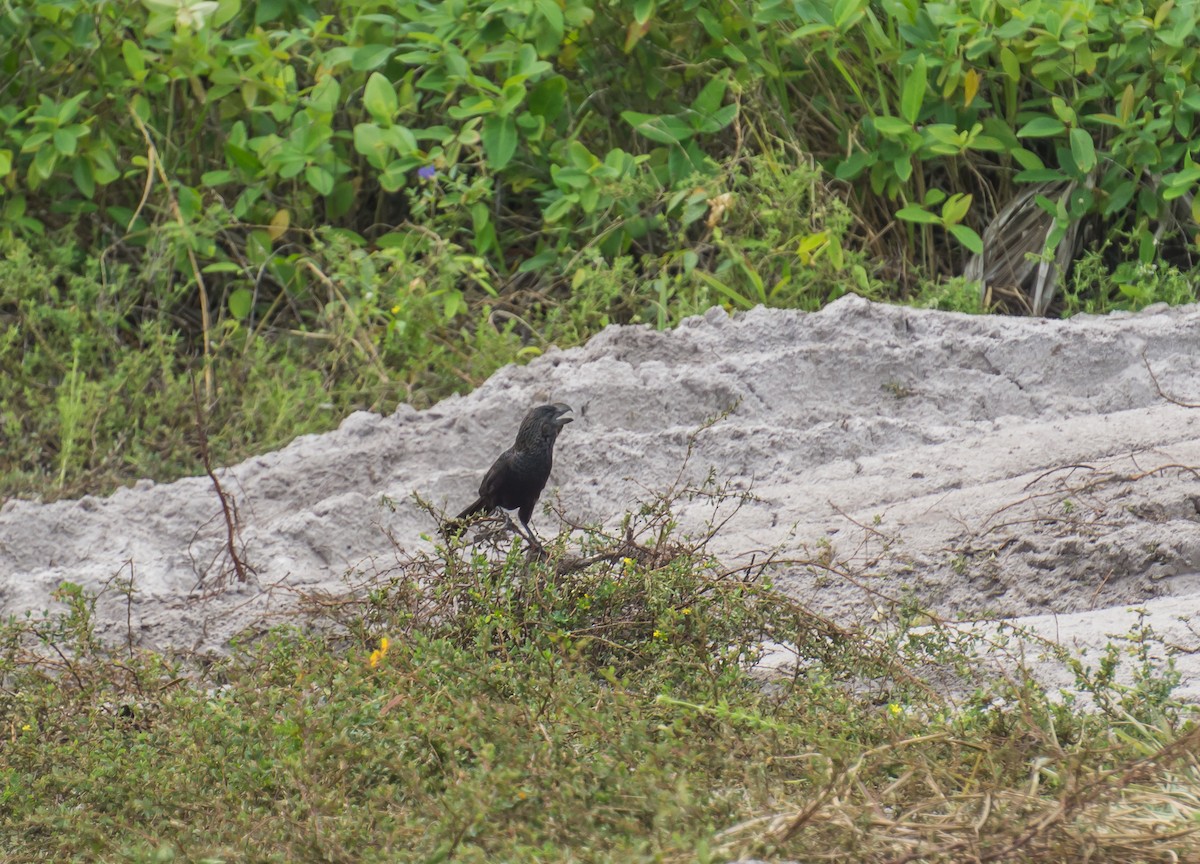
(570, 178)
(710, 97)
(1015, 27)
(734, 296)
(499, 141)
(847, 12)
(892, 127)
(394, 177)
(665, 129)
(718, 120)
(472, 106)
(580, 156)
(103, 166)
(1186, 177)
(67, 110)
(850, 168)
(548, 98)
(1062, 110)
(325, 95)
(339, 202)
(320, 179)
(913, 213)
(6, 160)
(553, 14)
(401, 140)
(1083, 151)
(710, 23)
(987, 142)
(241, 301)
(1010, 64)
(589, 198)
(968, 238)
(732, 52)
(1027, 159)
(513, 96)
(370, 57)
(558, 209)
(1120, 197)
(64, 142)
(1147, 247)
(135, 62)
(85, 182)
(538, 261)
(1041, 127)
(43, 163)
(955, 209)
(370, 141)
(913, 95)
(379, 98)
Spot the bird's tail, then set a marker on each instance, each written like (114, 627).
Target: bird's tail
(459, 523)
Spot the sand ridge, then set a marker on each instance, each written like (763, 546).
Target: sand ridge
(983, 465)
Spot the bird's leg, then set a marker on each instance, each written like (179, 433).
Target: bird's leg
(527, 535)
(530, 537)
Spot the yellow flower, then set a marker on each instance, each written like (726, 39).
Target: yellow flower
(396, 310)
(686, 610)
(379, 653)
(26, 728)
(894, 709)
(658, 634)
(628, 562)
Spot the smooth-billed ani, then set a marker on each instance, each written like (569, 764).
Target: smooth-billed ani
(517, 477)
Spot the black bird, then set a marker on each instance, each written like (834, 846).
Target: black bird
(517, 477)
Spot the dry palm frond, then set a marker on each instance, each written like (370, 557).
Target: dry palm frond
(1012, 262)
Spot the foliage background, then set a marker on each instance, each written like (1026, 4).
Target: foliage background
(315, 207)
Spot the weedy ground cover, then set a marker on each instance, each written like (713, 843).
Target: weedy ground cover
(597, 704)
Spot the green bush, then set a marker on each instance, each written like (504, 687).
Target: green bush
(479, 707)
(94, 393)
(523, 131)
(969, 101)
(402, 196)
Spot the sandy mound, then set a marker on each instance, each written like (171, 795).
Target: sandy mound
(981, 465)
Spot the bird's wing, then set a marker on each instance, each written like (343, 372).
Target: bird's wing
(496, 478)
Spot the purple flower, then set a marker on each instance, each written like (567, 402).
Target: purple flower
(426, 172)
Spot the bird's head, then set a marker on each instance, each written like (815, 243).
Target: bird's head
(544, 422)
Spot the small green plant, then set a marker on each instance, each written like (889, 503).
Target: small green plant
(475, 702)
(1097, 287)
(899, 390)
(949, 295)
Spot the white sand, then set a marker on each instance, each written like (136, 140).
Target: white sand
(984, 466)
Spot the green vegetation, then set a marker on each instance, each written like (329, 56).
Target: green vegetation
(595, 708)
(243, 221)
(318, 206)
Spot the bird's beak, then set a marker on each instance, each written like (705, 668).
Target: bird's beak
(563, 409)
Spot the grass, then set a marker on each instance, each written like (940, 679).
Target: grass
(100, 357)
(595, 706)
